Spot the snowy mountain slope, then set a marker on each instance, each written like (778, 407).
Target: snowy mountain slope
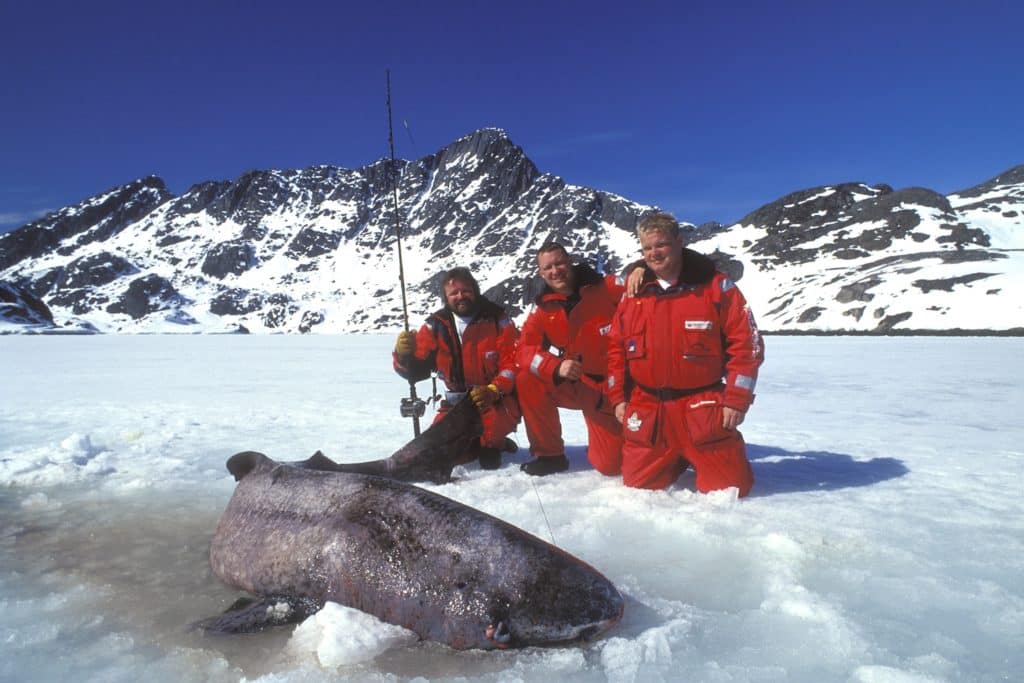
(315, 249)
(996, 207)
(859, 258)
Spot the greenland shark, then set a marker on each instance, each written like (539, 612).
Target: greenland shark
(298, 536)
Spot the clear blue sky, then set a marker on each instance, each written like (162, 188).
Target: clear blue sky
(706, 109)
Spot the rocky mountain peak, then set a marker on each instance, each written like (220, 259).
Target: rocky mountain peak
(814, 205)
(1013, 177)
(92, 220)
(314, 249)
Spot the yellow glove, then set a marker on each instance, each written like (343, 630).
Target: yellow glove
(484, 396)
(406, 344)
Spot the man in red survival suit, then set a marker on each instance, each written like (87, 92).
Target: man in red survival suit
(562, 363)
(471, 343)
(670, 348)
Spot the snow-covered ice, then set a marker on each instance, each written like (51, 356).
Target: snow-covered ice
(883, 541)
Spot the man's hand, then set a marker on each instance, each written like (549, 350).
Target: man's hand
(633, 280)
(731, 418)
(570, 369)
(620, 412)
(484, 397)
(406, 344)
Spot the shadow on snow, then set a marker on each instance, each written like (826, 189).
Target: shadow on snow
(777, 470)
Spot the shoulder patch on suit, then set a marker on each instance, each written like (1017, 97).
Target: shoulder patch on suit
(727, 284)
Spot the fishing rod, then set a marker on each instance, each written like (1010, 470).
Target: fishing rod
(411, 406)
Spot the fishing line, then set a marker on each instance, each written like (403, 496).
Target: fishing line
(543, 511)
(408, 132)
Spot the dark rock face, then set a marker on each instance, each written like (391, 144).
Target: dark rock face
(19, 306)
(728, 264)
(961, 235)
(947, 284)
(235, 302)
(882, 206)
(1013, 176)
(833, 212)
(502, 169)
(246, 200)
(93, 271)
(309, 320)
(80, 301)
(889, 322)
(197, 198)
(810, 205)
(42, 284)
(147, 295)
(858, 291)
(487, 161)
(171, 240)
(277, 310)
(811, 314)
(229, 258)
(313, 242)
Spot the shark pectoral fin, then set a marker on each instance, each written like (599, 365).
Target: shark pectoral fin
(251, 616)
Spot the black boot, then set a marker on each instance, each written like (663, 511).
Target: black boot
(541, 467)
(490, 458)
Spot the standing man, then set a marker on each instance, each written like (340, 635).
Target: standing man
(671, 346)
(471, 343)
(562, 359)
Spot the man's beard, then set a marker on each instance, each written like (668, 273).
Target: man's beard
(465, 308)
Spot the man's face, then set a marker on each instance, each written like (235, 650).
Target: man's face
(460, 297)
(663, 253)
(556, 271)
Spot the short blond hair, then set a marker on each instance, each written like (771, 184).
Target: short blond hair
(659, 221)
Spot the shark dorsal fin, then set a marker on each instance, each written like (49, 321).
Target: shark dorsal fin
(319, 461)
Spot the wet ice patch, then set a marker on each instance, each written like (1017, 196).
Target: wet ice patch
(341, 636)
(78, 449)
(536, 664)
(74, 458)
(46, 619)
(649, 656)
(887, 674)
(40, 501)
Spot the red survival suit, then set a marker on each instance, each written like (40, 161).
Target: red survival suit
(669, 351)
(484, 355)
(560, 328)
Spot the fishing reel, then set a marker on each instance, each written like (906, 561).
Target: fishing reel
(413, 407)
